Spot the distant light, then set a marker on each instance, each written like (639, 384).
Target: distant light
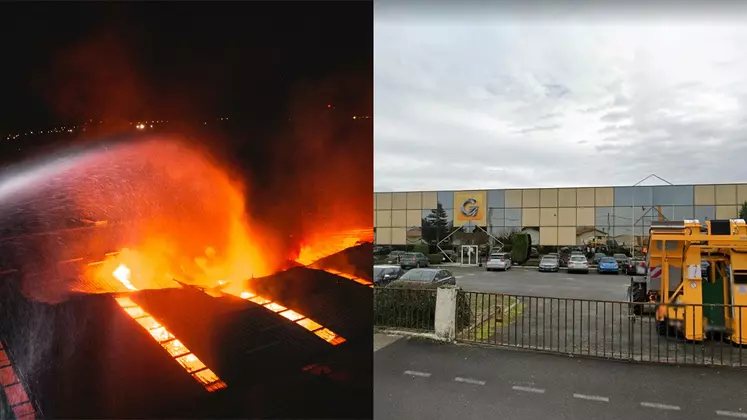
(329, 105)
(354, 117)
(151, 126)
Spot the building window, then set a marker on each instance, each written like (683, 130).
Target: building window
(673, 195)
(446, 199)
(703, 213)
(633, 196)
(513, 217)
(497, 217)
(496, 198)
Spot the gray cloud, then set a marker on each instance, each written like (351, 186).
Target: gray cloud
(463, 105)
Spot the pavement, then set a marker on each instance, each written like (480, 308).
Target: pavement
(422, 379)
(530, 282)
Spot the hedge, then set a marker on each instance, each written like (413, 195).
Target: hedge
(521, 245)
(413, 306)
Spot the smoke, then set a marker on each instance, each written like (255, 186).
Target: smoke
(330, 166)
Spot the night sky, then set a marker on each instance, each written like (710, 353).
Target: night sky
(66, 62)
(272, 68)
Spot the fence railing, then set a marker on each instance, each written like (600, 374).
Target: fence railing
(610, 329)
(405, 308)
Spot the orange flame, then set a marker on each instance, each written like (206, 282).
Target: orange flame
(324, 245)
(176, 349)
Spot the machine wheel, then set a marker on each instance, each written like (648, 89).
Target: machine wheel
(638, 295)
(664, 329)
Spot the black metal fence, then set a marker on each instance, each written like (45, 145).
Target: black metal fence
(609, 329)
(411, 309)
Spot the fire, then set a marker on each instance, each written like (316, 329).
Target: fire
(293, 316)
(322, 246)
(174, 212)
(176, 349)
(122, 273)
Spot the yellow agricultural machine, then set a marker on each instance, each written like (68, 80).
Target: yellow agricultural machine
(697, 279)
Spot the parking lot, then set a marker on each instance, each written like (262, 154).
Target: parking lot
(529, 282)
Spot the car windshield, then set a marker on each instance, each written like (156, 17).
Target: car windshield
(409, 255)
(578, 258)
(497, 255)
(549, 259)
(608, 260)
(419, 275)
(378, 271)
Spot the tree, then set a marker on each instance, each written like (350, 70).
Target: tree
(436, 225)
(743, 211)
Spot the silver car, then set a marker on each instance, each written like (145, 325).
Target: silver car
(578, 263)
(549, 264)
(498, 261)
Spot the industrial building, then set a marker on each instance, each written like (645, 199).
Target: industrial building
(554, 217)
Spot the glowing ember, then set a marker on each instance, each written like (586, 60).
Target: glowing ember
(316, 328)
(122, 273)
(350, 277)
(14, 389)
(176, 349)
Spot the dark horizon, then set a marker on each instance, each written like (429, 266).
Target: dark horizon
(67, 63)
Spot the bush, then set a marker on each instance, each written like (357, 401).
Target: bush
(424, 249)
(521, 245)
(413, 306)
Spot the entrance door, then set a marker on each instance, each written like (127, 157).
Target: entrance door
(469, 255)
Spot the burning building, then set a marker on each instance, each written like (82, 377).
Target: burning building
(140, 286)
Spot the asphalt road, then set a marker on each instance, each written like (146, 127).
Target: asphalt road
(419, 379)
(530, 282)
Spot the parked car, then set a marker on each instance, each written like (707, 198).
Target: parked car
(578, 263)
(449, 256)
(394, 256)
(427, 275)
(549, 264)
(623, 262)
(598, 256)
(608, 265)
(385, 274)
(637, 267)
(498, 261)
(413, 260)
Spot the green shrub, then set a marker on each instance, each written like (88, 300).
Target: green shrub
(521, 245)
(424, 249)
(413, 306)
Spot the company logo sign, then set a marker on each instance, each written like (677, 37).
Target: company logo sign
(470, 207)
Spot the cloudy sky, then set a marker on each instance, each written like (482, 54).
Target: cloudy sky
(513, 101)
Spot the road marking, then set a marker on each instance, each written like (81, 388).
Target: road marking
(416, 373)
(458, 277)
(660, 406)
(469, 381)
(528, 389)
(735, 414)
(591, 397)
(470, 274)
